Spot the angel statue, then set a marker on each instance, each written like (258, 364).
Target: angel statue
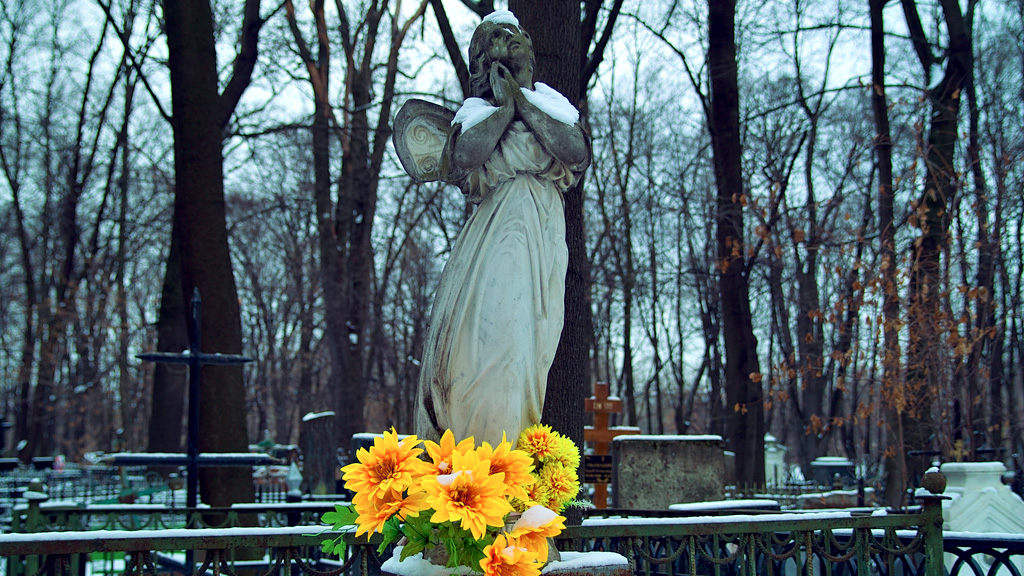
(513, 148)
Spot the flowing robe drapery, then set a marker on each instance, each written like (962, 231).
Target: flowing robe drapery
(498, 312)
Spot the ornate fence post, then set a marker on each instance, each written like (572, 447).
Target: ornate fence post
(931, 522)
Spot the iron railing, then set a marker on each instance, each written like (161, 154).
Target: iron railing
(38, 517)
(976, 554)
(213, 550)
(798, 544)
(817, 543)
(831, 543)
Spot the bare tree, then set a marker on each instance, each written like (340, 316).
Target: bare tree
(345, 227)
(932, 216)
(199, 113)
(745, 424)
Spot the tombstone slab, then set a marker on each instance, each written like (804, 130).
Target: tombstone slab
(653, 472)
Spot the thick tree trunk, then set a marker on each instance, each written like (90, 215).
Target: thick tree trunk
(357, 202)
(319, 453)
(170, 380)
(200, 224)
(554, 28)
(925, 370)
(745, 421)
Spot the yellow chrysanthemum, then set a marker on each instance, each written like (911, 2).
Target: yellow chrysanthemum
(562, 484)
(373, 513)
(441, 453)
(506, 557)
(535, 526)
(565, 453)
(538, 493)
(539, 441)
(389, 465)
(515, 464)
(470, 496)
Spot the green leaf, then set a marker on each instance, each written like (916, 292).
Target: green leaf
(453, 553)
(341, 517)
(392, 531)
(335, 546)
(412, 548)
(418, 528)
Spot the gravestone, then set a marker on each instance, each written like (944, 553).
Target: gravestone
(825, 469)
(319, 452)
(653, 472)
(775, 473)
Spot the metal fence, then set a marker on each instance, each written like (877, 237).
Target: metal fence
(823, 543)
(790, 544)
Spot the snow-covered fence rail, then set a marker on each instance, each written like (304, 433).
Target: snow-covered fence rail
(59, 517)
(825, 543)
(219, 550)
(792, 544)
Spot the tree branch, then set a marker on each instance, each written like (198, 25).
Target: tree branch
(245, 60)
(125, 43)
(918, 38)
(452, 46)
(481, 7)
(597, 55)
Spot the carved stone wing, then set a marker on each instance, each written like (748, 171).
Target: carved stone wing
(421, 132)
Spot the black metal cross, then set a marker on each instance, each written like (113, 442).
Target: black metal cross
(195, 359)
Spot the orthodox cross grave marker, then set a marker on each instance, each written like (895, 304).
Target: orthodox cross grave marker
(193, 460)
(597, 467)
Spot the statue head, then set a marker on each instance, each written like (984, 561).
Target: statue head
(499, 38)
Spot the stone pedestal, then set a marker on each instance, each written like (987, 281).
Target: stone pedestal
(980, 502)
(653, 472)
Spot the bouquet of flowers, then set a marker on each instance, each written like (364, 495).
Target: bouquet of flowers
(463, 499)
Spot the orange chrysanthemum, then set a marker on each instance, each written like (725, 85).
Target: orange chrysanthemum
(515, 464)
(373, 513)
(441, 453)
(470, 495)
(506, 557)
(535, 526)
(389, 465)
(539, 441)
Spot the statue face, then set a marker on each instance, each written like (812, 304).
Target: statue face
(503, 43)
(510, 46)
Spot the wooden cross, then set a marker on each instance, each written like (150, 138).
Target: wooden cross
(959, 451)
(597, 467)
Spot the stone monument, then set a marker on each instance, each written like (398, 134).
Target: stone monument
(514, 148)
(653, 472)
